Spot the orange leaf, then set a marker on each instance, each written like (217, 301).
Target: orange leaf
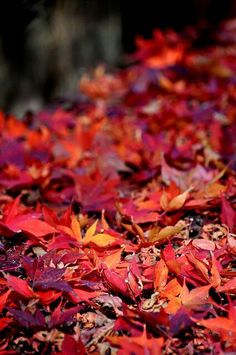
(229, 286)
(160, 275)
(173, 306)
(195, 297)
(221, 325)
(214, 190)
(101, 240)
(200, 266)
(112, 260)
(172, 289)
(65, 229)
(178, 201)
(76, 229)
(173, 266)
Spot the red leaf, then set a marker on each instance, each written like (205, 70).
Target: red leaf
(228, 215)
(3, 299)
(59, 317)
(20, 286)
(4, 322)
(114, 281)
(72, 347)
(134, 281)
(138, 345)
(30, 225)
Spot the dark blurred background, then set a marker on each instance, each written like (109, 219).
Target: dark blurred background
(45, 45)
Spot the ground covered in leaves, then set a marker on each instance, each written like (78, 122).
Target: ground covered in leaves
(118, 211)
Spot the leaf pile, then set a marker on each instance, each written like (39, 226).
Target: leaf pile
(118, 220)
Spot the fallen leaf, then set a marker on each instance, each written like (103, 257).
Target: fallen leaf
(102, 240)
(204, 244)
(160, 275)
(20, 286)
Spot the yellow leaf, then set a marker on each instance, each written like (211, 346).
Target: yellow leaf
(168, 232)
(113, 259)
(91, 231)
(164, 201)
(178, 201)
(101, 239)
(76, 229)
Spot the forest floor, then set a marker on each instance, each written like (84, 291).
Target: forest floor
(118, 210)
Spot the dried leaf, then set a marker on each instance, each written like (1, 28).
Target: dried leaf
(177, 202)
(204, 244)
(166, 233)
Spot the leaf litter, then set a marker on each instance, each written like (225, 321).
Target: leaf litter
(118, 211)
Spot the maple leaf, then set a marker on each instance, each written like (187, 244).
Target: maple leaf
(20, 286)
(228, 215)
(160, 276)
(28, 320)
(167, 232)
(134, 282)
(139, 345)
(204, 244)
(195, 297)
(59, 317)
(101, 240)
(3, 299)
(91, 194)
(181, 320)
(71, 346)
(28, 223)
(224, 326)
(176, 202)
(114, 281)
(45, 278)
(229, 286)
(76, 229)
(4, 322)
